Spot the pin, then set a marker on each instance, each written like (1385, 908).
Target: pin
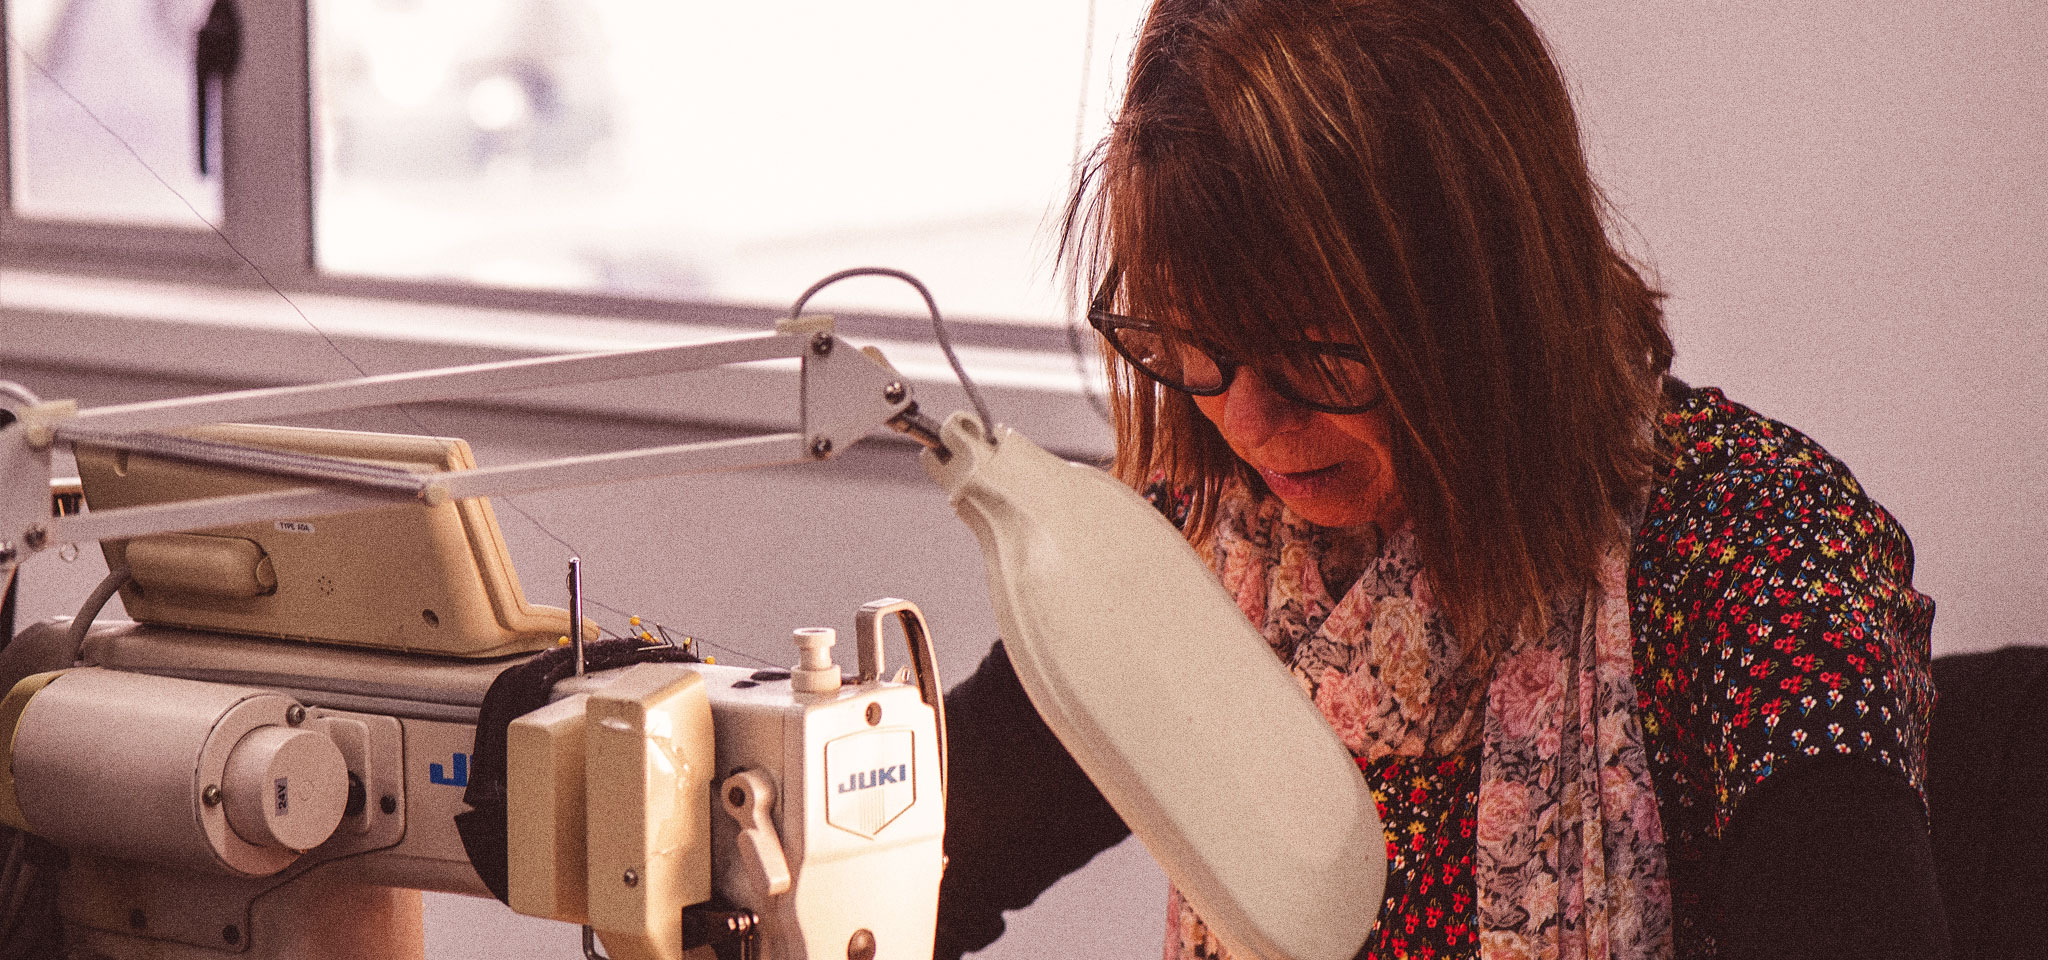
(576, 610)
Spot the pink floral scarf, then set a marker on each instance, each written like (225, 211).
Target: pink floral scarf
(1570, 862)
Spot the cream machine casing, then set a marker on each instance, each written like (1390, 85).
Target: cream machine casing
(826, 820)
(197, 777)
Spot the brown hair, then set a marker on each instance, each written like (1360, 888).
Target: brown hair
(1406, 175)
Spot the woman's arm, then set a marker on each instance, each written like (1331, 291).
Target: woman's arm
(1019, 813)
(1830, 859)
(1782, 664)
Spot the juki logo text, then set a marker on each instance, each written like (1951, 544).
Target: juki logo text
(899, 773)
(460, 778)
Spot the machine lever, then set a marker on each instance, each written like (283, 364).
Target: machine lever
(746, 796)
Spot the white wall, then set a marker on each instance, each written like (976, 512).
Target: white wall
(1846, 201)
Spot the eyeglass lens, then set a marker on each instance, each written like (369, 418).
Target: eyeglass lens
(1311, 373)
(1174, 361)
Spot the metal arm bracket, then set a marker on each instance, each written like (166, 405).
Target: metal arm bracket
(843, 394)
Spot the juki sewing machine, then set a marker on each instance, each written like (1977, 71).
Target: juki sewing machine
(294, 733)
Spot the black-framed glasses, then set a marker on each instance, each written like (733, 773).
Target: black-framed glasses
(1330, 377)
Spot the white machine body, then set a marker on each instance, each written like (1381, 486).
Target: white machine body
(857, 811)
(826, 819)
(211, 777)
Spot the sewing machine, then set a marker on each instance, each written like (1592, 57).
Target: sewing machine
(260, 769)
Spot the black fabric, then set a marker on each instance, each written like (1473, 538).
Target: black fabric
(1019, 813)
(29, 925)
(7, 610)
(7, 605)
(1987, 788)
(1829, 859)
(28, 864)
(520, 690)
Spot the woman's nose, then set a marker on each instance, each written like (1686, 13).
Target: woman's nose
(1252, 411)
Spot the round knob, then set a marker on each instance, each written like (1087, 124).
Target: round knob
(815, 672)
(285, 788)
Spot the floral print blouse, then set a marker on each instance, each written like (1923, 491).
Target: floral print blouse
(1774, 620)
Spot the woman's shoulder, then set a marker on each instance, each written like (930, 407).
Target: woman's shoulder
(1774, 610)
(1756, 536)
(1715, 442)
(1737, 480)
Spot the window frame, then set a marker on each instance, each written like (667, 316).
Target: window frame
(268, 215)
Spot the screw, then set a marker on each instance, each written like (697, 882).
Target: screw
(387, 803)
(821, 447)
(821, 343)
(35, 537)
(295, 714)
(874, 714)
(736, 797)
(210, 795)
(632, 878)
(895, 391)
(232, 934)
(860, 946)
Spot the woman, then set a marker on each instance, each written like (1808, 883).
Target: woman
(1632, 671)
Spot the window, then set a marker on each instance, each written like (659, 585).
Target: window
(66, 166)
(707, 154)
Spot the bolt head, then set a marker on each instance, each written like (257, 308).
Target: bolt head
(895, 392)
(295, 715)
(821, 343)
(821, 447)
(211, 795)
(632, 878)
(36, 537)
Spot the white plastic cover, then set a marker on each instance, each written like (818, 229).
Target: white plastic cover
(1170, 701)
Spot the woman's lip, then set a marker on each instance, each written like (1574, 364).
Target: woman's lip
(1301, 483)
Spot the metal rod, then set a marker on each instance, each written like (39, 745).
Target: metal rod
(919, 427)
(299, 502)
(576, 610)
(336, 471)
(711, 456)
(296, 502)
(452, 383)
